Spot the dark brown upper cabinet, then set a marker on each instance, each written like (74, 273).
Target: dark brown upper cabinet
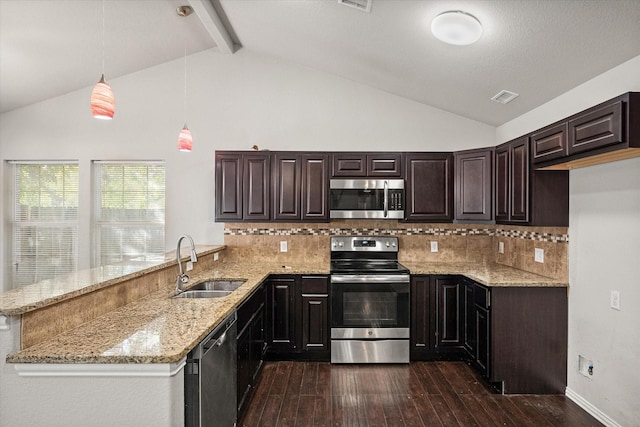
(525, 196)
(429, 186)
(228, 173)
(550, 143)
(512, 181)
(287, 172)
(474, 185)
(300, 186)
(242, 186)
(256, 189)
(366, 164)
(596, 128)
(315, 187)
(607, 132)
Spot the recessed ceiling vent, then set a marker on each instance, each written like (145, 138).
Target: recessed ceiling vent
(504, 96)
(361, 5)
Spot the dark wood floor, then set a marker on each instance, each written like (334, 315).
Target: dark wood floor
(419, 394)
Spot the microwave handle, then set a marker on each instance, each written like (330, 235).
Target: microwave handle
(386, 198)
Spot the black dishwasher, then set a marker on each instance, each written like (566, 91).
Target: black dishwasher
(210, 379)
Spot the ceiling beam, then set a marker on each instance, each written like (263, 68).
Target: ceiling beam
(211, 21)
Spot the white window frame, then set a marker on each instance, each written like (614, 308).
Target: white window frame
(46, 262)
(124, 228)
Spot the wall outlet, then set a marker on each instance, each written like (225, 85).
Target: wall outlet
(615, 300)
(216, 256)
(500, 247)
(538, 255)
(434, 246)
(283, 246)
(189, 265)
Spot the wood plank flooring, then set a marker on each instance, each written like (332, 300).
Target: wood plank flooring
(418, 394)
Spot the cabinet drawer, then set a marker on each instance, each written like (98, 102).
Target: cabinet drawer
(596, 129)
(349, 164)
(550, 143)
(388, 164)
(315, 284)
(481, 296)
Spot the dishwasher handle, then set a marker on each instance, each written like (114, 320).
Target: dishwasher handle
(219, 336)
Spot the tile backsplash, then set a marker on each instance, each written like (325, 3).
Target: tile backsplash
(309, 242)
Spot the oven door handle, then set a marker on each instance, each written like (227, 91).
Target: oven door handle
(386, 198)
(373, 278)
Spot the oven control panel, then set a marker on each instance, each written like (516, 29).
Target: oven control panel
(362, 243)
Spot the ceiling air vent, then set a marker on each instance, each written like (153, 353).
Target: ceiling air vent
(504, 96)
(361, 5)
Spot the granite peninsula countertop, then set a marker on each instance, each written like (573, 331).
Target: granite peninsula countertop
(161, 329)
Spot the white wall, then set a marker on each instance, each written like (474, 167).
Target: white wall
(234, 102)
(604, 254)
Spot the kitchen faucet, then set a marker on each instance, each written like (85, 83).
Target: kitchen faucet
(182, 277)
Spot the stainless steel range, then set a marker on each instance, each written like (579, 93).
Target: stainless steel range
(369, 301)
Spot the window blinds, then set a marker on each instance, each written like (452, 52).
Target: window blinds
(45, 227)
(129, 211)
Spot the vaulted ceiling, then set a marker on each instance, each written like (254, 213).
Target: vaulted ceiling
(538, 49)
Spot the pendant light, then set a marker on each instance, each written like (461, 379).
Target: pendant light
(103, 103)
(185, 140)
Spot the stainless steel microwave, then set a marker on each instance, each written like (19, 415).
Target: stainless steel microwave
(366, 198)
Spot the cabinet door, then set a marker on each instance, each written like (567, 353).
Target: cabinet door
(315, 322)
(502, 183)
(519, 156)
(281, 307)
(449, 316)
(482, 325)
(315, 187)
(473, 185)
(228, 196)
(595, 129)
(286, 186)
(243, 366)
(469, 323)
(255, 185)
(422, 314)
(349, 164)
(384, 164)
(549, 143)
(429, 187)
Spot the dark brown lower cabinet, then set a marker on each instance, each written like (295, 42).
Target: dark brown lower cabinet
(516, 337)
(251, 345)
(298, 317)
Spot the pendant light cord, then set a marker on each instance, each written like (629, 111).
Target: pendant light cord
(184, 41)
(103, 37)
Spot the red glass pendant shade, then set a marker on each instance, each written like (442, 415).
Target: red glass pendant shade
(103, 103)
(185, 141)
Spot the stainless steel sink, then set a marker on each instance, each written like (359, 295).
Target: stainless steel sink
(216, 288)
(218, 285)
(203, 294)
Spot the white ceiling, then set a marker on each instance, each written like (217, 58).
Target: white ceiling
(538, 49)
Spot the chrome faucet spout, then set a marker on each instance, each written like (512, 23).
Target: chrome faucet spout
(182, 278)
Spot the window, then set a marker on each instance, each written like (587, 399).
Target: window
(129, 212)
(45, 226)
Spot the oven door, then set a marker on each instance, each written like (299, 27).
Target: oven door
(375, 302)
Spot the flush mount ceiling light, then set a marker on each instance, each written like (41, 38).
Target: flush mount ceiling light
(456, 27)
(103, 103)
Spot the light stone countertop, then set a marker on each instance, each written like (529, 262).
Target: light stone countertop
(160, 329)
(48, 292)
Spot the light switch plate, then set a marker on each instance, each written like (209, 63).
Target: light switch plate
(189, 266)
(500, 247)
(539, 255)
(434, 246)
(615, 300)
(216, 256)
(283, 246)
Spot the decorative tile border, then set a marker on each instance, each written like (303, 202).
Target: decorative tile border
(412, 231)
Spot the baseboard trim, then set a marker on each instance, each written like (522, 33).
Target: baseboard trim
(592, 410)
